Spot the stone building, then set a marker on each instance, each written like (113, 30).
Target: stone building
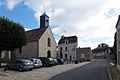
(84, 54)
(40, 42)
(67, 47)
(118, 42)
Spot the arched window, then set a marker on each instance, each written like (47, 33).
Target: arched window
(49, 42)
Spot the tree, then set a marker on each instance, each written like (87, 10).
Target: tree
(102, 45)
(12, 35)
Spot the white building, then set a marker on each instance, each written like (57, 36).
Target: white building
(118, 42)
(67, 47)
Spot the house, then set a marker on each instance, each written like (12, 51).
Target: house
(98, 52)
(118, 42)
(102, 51)
(67, 47)
(84, 54)
(40, 42)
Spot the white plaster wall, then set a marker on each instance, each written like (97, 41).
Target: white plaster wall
(69, 51)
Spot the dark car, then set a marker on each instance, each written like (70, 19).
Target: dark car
(47, 62)
(21, 65)
(36, 62)
(55, 61)
(60, 61)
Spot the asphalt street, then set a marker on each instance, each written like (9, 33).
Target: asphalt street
(97, 70)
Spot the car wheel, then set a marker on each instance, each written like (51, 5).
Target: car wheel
(20, 69)
(6, 68)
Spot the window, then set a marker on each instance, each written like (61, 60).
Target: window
(61, 55)
(66, 42)
(47, 20)
(49, 42)
(73, 48)
(20, 50)
(65, 48)
(60, 48)
(65, 56)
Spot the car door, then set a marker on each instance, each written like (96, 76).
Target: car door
(16, 64)
(12, 65)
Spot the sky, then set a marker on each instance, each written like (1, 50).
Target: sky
(92, 21)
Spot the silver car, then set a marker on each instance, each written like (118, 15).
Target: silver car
(36, 62)
(21, 65)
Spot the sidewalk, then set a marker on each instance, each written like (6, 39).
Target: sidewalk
(114, 72)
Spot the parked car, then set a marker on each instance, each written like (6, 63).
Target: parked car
(60, 61)
(20, 64)
(55, 61)
(36, 62)
(47, 62)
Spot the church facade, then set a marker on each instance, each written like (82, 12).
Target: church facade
(40, 42)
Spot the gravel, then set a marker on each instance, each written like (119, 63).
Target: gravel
(38, 74)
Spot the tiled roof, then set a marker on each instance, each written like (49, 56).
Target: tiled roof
(35, 34)
(70, 39)
(83, 50)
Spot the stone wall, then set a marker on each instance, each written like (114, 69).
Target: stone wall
(43, 44)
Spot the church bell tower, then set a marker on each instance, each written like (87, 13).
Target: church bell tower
(44, 21)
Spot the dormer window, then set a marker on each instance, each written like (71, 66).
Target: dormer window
(66, 41)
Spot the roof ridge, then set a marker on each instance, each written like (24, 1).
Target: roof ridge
(36, 29)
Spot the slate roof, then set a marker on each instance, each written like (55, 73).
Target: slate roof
(83, 50)
(118, 21)
(35, 34)
(70, 39)
(44, 14)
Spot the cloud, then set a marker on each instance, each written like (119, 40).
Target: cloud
(93, 21)
(27, 29)
(112, 12)
(12, 3)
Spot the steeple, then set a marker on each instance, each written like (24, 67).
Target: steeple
(44, 21)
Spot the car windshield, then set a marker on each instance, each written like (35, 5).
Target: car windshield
(26, 61)
(37, 61)
(50, 59)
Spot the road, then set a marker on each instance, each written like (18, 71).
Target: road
(97, 70)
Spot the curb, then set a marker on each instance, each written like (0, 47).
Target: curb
(109, 74)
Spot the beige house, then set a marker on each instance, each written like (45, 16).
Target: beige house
(84, 53)
(40, 42)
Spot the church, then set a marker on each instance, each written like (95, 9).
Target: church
(40, 42)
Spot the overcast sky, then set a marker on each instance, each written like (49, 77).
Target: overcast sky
(92, 21)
